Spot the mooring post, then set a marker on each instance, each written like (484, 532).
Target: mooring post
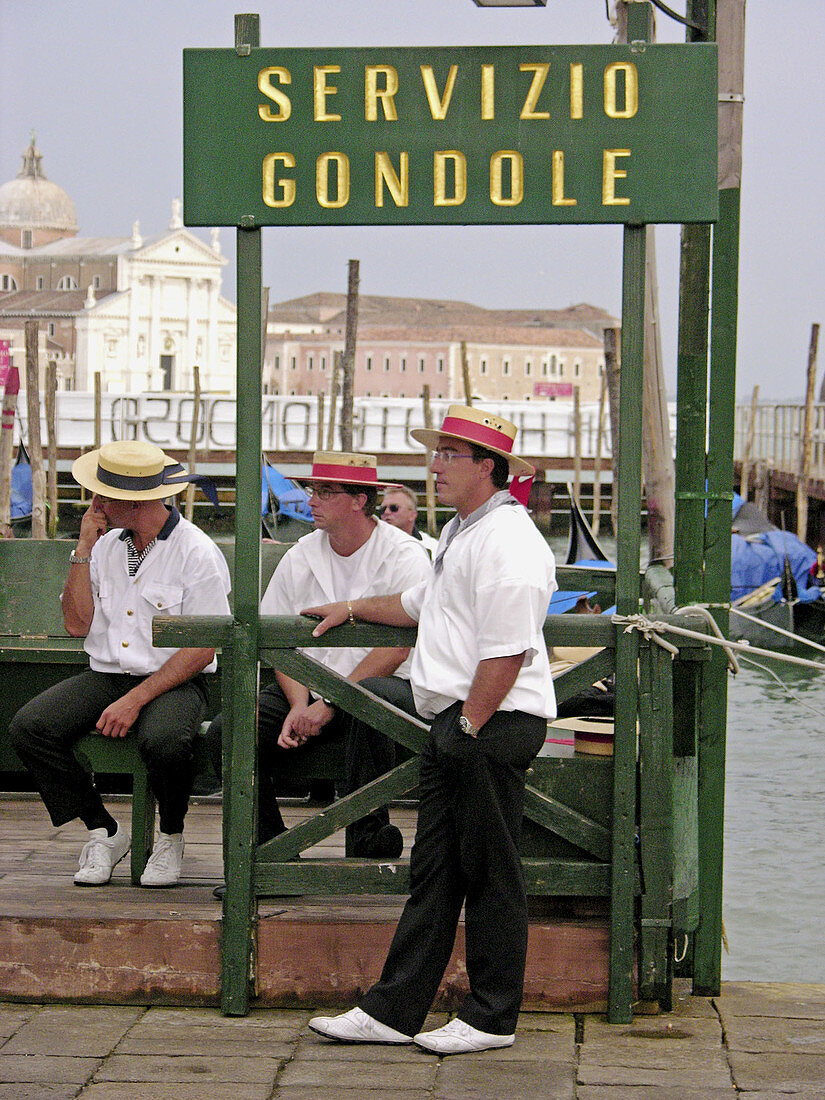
(240, 720)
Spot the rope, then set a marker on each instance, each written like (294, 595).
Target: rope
(778, 629)
(653, 628)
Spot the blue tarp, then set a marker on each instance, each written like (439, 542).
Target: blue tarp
(288, 499)
(760, 558)
(21, 486)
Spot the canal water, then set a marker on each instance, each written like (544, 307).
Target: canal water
(774, 876)
(774, 869)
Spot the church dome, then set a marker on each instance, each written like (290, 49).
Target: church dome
(32, 202)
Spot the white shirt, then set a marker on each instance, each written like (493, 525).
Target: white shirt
(311, 573)
(184, 574)
(489, 600)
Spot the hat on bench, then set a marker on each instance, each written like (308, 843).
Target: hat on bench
(130, 470)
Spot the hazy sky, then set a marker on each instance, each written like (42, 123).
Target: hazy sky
(99, 81)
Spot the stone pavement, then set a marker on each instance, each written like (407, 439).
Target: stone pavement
(761, 1041)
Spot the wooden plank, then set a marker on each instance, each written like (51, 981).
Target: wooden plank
(584, 675)
(569, 824)
(655, 822)
(394, 784)
(560, 878)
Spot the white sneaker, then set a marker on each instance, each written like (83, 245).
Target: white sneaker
(164, 865)
(99, 855)
(456, 1037)
(356, 1026)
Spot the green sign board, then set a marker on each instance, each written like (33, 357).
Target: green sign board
(452, 135)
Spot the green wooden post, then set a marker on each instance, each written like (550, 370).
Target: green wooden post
(628, 541)
(729, 31)
(241, 718)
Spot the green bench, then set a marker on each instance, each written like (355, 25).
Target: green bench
(36, 652)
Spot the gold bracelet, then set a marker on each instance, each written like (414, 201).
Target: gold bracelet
(349, 609)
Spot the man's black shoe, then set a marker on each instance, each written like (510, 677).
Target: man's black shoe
(386, 843)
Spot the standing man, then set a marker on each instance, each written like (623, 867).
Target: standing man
(348, 555)
(135, 558)
(481, 674)
(400, 508)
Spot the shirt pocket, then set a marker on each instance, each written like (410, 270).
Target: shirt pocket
(163, 599)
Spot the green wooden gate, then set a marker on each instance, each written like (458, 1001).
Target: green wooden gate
(614, 134)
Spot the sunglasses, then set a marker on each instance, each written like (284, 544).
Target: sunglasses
(389, 508)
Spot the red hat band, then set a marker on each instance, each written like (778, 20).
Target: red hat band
(481, 434)
(367, 475)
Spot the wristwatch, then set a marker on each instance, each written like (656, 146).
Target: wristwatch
(466, 726)
(78, 559)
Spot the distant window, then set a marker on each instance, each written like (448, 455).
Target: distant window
(68, 282)
(26, 239)
(309, 363)
(403, 363)
(8, 282)
(323, 362)
(96, 282)
(440, 366)
(505, 367)
(386, 363)
(420, 366)
(293, 363)
(577, 369)
(561, 370)
(528, 367)
(483, 366)
(166, 362)
(40, 282)
(369, 365)
(51, 328)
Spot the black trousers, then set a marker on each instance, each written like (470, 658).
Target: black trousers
(44, 731)
(466, 852)
(368, 754)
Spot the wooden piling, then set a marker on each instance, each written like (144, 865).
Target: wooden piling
(597, 464)
(35, 445)
(429, 482)
(348, 362)
(319, 436)
(10, 392)
(193, 441)
(807, 436)
(333, 398)
(612, 370)
(746, 457)
(577, 445)
(465, 374)
(51, 446)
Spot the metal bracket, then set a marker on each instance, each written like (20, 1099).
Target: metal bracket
(731, 97)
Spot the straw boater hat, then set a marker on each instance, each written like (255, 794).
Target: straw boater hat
(347, 469)
(130, 470)
(485, 429)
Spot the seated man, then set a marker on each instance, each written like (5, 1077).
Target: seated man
(135, 558)
(348, 555)
(400, 508)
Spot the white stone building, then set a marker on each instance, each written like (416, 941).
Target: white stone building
(141, 311)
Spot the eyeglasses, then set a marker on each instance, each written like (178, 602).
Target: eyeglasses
(389, 508)
(446, 457)
(323, 492)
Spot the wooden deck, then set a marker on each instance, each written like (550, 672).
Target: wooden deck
(119, 944)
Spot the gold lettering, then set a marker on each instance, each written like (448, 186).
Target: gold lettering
(558, 180)
(459, 162)
(539, 72)
(277, 96)
(576, 90)
(631, 89)
(516, 177)
(488, 92)
(322, 192)
(610, 173)
(287, 186)
(399, 188)
(439, 104)
(372, 93)
(321, 92)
